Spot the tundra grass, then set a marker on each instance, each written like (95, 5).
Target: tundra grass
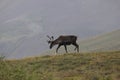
(72, 66)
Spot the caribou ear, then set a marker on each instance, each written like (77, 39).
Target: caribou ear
(52, 38)
(49, 42)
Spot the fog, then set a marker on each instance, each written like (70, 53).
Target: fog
(25, 23)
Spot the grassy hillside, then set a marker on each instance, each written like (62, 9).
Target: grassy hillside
(105, 42)
(74, 66)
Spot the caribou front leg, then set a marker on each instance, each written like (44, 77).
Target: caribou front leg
(58, 48)
(66, 48)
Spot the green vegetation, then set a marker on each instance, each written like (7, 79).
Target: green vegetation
(2, 57)
(72, 66)
(106, 42)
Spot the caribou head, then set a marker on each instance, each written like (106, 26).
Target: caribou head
(51, 41)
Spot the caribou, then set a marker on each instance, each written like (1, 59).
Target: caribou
(63, 41)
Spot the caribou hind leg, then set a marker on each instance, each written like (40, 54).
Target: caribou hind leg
(76, 46)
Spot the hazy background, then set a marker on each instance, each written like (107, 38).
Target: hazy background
(24, 24)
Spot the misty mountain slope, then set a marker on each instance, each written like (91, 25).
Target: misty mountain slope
(106, 42)
(29, 47)
(37, 45)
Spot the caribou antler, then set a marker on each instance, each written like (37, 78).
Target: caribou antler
(49, 37)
